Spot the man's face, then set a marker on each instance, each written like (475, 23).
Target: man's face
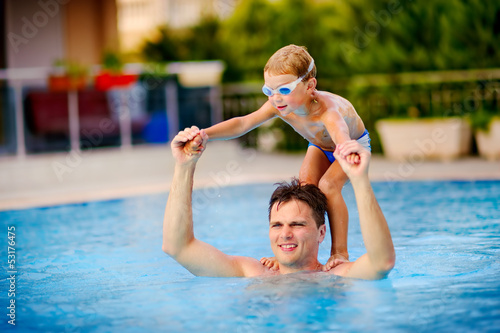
(294, 236)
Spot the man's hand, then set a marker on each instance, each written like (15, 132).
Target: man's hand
(188, 145)
(353, 158)
(380, 256)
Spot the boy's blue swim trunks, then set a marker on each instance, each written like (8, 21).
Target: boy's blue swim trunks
(364, 140)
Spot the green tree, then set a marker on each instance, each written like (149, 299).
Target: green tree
(166, 47)
(248, 34)
(344, 37)
(417, 35)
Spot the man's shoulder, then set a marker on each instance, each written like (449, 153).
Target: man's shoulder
(341, 269)
(252, 267)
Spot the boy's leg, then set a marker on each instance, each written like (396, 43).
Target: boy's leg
(314, 166)
(330, 178)
(331, 184)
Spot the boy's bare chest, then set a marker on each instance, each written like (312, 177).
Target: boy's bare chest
(312, 130)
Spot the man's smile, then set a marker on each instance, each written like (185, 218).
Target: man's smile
(288, 247)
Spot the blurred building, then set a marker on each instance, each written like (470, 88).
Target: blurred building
(56, 108)
(139, 19)
(38, 32)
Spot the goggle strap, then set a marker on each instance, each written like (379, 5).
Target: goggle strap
(271, 91)
(309, 69)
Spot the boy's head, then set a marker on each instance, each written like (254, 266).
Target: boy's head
(291, 59)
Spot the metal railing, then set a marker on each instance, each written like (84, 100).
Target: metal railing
(433, 94)
(424, 94)
(18, 80)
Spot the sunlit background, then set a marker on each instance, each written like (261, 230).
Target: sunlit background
(91, 91)
(78, 74)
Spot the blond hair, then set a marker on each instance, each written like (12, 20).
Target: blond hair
(291, 59)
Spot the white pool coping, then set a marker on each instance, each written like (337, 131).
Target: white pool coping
(110, 173)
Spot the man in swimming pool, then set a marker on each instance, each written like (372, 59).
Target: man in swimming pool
(322, 118)
(296, 221)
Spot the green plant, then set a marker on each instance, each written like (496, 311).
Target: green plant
(112, 62)
(154, 75)
(70, 68)
(480, 120)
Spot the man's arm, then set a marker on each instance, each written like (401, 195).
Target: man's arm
(179, 242)
(380, 257)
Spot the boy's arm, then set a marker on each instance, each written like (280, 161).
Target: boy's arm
(380, 257)
(238, 126)
(336, 126)
(178, 238)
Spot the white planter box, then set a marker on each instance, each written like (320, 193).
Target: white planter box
(198, 73)
(421, 139)
(488, 143)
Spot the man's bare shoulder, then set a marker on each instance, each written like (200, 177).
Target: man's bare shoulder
(342, 269)
(252, 267)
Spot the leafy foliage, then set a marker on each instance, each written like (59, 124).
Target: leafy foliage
(345, 37)
(349, 38)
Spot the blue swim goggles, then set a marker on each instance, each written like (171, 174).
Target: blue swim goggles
(286, 89)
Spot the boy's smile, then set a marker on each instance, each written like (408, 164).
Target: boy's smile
(281, 108)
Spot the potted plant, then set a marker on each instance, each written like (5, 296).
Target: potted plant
(67, 75)
(111, 74)
(198, 73)
(417, 139)
(154, 75)
(486, 126)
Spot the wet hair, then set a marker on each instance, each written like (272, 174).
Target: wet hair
(297, 190)
(291, 59)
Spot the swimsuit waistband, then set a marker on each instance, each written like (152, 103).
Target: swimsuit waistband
(364, 133)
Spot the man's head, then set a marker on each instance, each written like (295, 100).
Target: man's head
(308, 193)
(291, 59)
(297, 225)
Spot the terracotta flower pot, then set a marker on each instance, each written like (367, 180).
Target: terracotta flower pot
(106, 81)
(66, 83)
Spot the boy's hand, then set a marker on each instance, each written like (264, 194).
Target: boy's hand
(353, 158)
(188, 145)
(270, 263)
(343, 153)
(335, 260)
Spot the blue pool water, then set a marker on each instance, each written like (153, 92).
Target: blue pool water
(98, 267)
